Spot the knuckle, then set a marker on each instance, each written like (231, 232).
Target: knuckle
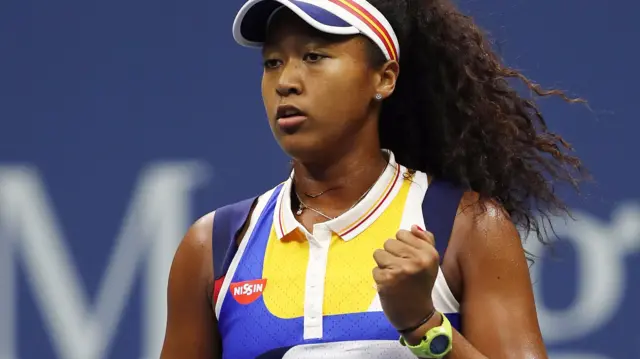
(377, 276)
(422, 262)
(383, 276)
(408, 267)
(388, 243)
(434, 255)
(430, 236)
(425, 260)
(393, 271)
(412, 268)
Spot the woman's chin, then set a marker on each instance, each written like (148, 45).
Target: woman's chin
(304, 148)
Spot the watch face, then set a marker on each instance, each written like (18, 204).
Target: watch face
(439, 344)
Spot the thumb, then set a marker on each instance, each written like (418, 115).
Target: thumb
(422, 234)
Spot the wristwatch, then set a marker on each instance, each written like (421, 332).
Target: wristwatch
(435, 344)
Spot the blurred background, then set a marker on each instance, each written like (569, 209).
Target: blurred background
(122, 121)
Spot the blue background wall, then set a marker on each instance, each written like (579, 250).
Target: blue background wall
(123, 121)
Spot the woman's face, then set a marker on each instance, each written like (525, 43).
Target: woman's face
(318, 89)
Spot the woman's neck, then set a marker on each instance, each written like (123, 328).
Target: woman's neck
(336, 186)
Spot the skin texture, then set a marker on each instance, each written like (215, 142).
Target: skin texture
(191, 326)
(336, 147)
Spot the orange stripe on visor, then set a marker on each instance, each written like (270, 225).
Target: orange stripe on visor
(372, 22)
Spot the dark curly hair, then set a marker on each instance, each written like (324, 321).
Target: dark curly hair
(455, 116)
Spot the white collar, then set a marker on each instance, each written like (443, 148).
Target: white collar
(354, 221)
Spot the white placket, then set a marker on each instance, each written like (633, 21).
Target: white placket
(315, 279)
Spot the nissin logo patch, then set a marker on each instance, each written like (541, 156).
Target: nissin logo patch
(248, 291)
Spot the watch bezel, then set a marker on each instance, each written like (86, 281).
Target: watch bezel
(443, 350)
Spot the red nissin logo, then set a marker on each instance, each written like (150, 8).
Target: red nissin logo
(248, 291)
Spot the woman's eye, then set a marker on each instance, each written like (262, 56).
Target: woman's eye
(271, 63)
(313, 57)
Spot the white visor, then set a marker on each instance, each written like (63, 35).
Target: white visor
(337, 17)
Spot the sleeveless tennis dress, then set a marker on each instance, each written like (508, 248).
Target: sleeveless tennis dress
(287, 293)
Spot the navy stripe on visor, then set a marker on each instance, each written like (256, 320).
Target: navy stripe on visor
(254, 24)
(321, 15)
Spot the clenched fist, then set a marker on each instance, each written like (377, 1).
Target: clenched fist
(405, 275)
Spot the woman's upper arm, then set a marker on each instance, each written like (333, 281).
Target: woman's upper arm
(191, 331)
(499, 314)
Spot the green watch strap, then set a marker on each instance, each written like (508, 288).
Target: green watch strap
(436, 343)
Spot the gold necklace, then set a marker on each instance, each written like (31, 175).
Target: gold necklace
(319, 194)
(302, 206)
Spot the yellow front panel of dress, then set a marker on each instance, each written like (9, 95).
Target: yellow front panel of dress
(349, 285)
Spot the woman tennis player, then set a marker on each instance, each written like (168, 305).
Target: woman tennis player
(395, 235)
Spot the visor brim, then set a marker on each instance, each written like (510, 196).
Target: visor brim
(250, 25)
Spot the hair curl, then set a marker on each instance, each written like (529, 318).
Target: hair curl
(455, 116)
